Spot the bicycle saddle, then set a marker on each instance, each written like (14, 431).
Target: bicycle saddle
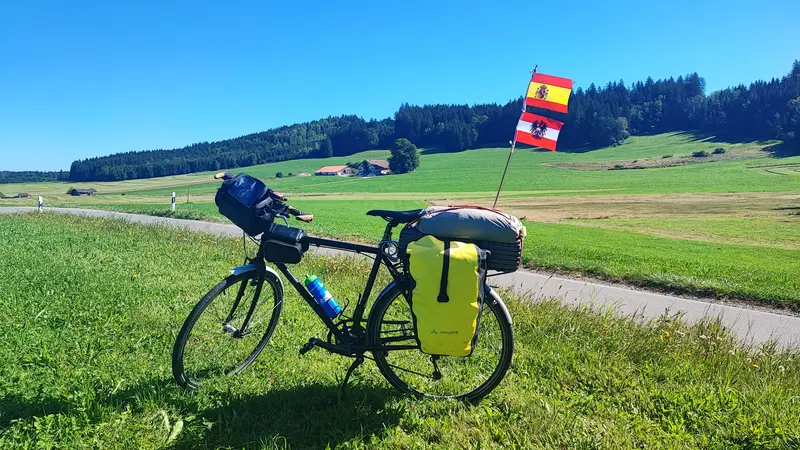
(397, 216)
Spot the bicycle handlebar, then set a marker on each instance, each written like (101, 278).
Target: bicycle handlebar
(299, 215)
(224, 176)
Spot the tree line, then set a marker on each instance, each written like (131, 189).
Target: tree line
(598, 116)
(32, 176)
(607, 115)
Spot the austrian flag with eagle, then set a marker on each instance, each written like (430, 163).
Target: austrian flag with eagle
(538, 131)
(549, 92)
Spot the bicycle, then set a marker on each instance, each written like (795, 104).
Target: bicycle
(248, 305)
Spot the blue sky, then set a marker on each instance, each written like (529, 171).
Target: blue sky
(85, 79)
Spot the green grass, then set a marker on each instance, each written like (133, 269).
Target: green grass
(751, 259)
(86, 364)
(764, 274)
(738, 257)
(336, 218)
(782, 232)
(191, 211)
(166, 185)
(479, 171)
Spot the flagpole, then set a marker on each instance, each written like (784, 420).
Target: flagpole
(513, 144)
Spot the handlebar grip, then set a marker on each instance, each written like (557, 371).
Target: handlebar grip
(300, 215)
(223, 176)
(277, 195)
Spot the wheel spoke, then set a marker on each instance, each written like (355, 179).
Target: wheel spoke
(442, 376)
(219, 341)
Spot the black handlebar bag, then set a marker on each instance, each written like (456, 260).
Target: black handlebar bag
(246, 201)
(282, 244)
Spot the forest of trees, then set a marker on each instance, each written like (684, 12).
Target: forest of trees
(32, 176)
(603, 116)
(598, 116)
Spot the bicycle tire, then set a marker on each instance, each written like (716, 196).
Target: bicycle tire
(178, 352)
(379, 309)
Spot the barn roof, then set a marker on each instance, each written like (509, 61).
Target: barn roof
(331, 169)
(379, 162)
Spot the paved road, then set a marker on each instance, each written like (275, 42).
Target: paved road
(749, 325)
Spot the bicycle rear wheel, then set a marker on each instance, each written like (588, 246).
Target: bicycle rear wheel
(227, 329)
(411, 371)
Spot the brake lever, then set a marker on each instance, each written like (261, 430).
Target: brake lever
(285, 219)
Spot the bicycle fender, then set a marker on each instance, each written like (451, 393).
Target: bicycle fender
(242, 269)
(500, 303)
(250, 267)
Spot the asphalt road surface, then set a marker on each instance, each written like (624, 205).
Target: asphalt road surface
(750, 326)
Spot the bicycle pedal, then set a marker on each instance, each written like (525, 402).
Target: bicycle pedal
(308, 346)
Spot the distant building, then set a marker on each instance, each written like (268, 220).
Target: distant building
(78, 192)
(339, 171)
(303, 174)
(23, 195)
(373, 168)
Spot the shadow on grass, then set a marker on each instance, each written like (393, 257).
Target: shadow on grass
(783, 150)
(308, 416)
(15, 407)
(708, 137)
(312, 416)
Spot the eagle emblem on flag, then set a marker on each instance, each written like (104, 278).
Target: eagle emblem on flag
(541, 92)
(538, 129)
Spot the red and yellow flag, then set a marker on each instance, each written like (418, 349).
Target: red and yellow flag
(538, 131)
(549, 92)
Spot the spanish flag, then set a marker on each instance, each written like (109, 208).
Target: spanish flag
(538, 131)
(549, 92)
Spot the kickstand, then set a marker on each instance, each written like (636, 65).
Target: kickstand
(357, 362)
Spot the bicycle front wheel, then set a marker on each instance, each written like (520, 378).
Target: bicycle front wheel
(228, 328)
(411, 371)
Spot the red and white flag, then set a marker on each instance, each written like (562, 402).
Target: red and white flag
(538, 131)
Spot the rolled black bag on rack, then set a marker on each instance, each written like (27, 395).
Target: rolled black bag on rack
(247, 202)
(499, 233)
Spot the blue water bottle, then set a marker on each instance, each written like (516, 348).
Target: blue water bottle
(323, 296)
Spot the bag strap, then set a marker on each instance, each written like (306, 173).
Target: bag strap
(443, 298)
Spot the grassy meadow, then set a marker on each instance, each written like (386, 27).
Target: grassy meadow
(728, 228)
(765, 274)
(91, 308)
(478, 171)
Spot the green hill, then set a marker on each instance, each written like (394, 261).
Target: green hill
(478, 171)
(743, 169)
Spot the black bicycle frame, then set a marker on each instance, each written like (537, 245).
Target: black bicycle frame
(358, 313)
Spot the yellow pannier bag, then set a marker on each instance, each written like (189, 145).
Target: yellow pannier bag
(447, 288)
